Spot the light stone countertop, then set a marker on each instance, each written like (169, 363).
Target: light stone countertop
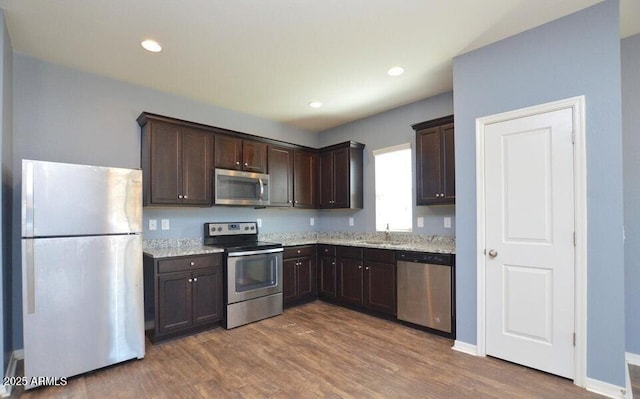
(166, 248)
(159, 253)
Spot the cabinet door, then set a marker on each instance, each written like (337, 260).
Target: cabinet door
(428, 172)
(254, 155)
(207, 295)
(305, 171)
(197, 155)
(380, 287)
(166, 177)
(174, 302)
(326, 180)
(289, 281)
(327, 277)
(350, 281)
(449, 163)
(228, 152)
(305, 277)
(341, 178)
(281, 176)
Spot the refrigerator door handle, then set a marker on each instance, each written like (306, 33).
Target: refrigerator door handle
(27, 199)
(31, 289)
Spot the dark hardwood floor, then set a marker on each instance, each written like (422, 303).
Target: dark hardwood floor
(314, 350)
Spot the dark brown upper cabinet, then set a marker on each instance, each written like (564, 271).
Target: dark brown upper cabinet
(305, 179)
(239, 154)
(435, 162)
(176, 164)
(341, 176)
(281, 176)
(292, 175)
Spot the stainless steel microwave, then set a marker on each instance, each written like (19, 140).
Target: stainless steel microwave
(234, 187)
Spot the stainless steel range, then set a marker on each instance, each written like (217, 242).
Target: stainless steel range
(253, 273)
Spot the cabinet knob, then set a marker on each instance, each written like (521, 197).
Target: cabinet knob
(333, 263)
(237, 162)
(366, 268)
(289, 201)
(192, 263)
(442, 195)
(359, 266)
(246, 164)
(180, 196)
(185, 197)
(190, 280)
(298, 251)
(437, 195)
(195, 279)
(296, 202)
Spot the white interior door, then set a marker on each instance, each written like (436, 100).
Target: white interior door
(529, 216)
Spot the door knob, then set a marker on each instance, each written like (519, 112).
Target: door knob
(493, 253)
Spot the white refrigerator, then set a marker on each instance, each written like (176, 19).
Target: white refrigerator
(82, 294)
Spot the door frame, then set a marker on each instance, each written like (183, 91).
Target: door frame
(577, 104)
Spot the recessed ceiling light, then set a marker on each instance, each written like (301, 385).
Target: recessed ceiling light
(395, 71)
(151, 45)
(315, 104)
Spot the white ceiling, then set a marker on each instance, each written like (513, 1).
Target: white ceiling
(270, 58)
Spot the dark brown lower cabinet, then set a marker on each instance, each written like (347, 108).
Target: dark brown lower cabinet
(299, 274)
(327, 272)
(367, 278)
(186, 294)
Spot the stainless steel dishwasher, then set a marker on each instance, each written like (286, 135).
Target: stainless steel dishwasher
(425, 290)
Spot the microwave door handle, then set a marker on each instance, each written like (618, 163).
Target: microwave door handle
(261, 189)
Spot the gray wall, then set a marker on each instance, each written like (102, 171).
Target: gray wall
(572, 56)
(631, 150)
(384, 130)
(6, 150)
(65, 115)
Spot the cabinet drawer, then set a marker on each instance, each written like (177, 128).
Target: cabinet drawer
(299, 251)
(189, 263)
(326, 250)
(349, 252)
(380, 255)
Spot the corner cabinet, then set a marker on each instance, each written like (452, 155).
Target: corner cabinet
(341, 176)
(176, 163)
(435, 162)
(182, 294)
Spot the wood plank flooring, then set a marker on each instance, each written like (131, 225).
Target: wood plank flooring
(314, 350)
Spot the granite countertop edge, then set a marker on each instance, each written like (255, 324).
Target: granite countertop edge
(159, 253)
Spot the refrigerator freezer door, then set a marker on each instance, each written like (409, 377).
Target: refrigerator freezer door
(61, 199)
(83, 303)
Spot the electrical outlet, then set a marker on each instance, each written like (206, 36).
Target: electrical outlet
(350, 221)
(447, 222)
(153, 224)
(259, 221)
(165, 224)
(312, 221)
(420, 221)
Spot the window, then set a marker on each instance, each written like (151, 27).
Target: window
(393, 188)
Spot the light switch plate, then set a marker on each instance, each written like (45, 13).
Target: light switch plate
(259, 221)
(312, 221)
(153, 224)
(447, 222)
(420, 221)
(165, 224)
(350, 221)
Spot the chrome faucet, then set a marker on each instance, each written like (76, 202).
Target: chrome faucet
(387, 233)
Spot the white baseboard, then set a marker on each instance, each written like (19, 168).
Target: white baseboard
(632, 358)
(464, 347)
(5, 390)
(606, 389)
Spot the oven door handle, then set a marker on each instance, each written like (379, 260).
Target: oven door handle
(258, 252)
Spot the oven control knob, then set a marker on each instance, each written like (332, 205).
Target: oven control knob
(219, 228)
(253, 228)
(246, 227)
